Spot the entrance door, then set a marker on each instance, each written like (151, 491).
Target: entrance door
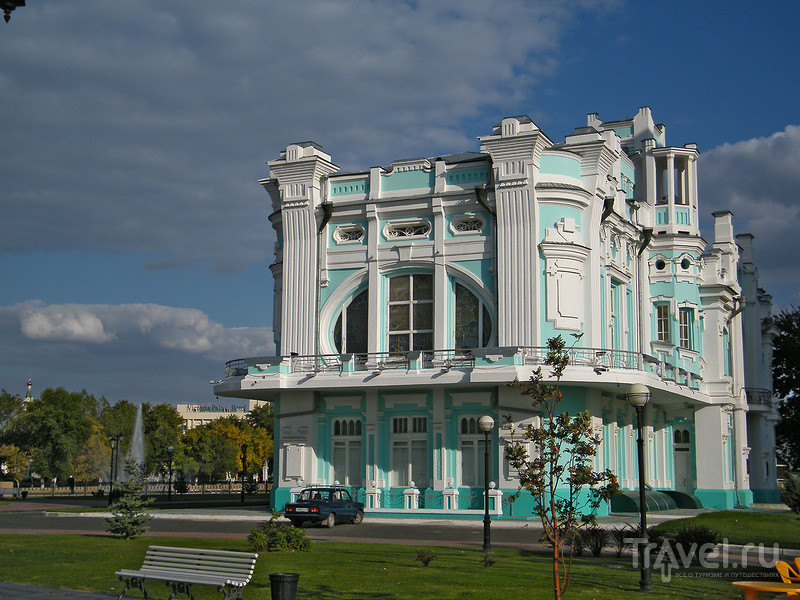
(682, 461)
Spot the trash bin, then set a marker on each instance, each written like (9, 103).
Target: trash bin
(283, 585)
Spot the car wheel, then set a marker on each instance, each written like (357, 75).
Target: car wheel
(358, 518)
(330, 521)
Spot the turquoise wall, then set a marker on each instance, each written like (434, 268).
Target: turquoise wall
(556, 164)
(407, 180)
(351, 186)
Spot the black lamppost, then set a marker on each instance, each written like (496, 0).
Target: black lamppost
(638, 395)
(114, 440)
(244, 468)
(171, 451)
(486, 423)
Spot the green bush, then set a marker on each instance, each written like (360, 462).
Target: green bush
(618, 535)
(278, 537)
(181, 486)
(699, 540)
(791, 492)
(595, 539)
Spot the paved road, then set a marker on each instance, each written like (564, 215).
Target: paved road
(39, 516)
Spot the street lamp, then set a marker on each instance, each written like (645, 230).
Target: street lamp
(244, 468)
(638, 395)
(114, 440)
(171, 451)
(486, 423)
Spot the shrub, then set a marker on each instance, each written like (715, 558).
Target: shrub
(487, 559)
(278, 537)
(791, 492)
(180, 485)
(425, 556)
(595, 539)
(618, 535)
(699, 540)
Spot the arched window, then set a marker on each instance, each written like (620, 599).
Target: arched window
(473, 326)
(411, 312)
(353, 322)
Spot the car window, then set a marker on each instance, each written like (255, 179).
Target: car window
(305, 495)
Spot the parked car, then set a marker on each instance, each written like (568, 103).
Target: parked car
(326, 505)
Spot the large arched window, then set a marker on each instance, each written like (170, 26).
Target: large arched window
(352, 322)
(411, 312)
(473, 326)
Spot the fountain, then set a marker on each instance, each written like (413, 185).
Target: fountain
(136, 449)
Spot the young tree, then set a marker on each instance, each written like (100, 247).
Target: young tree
(263, 416)
(13, 462)
(559, 471)
(93, 461)
(786, 380)
(162, 429)
(130, 518)
(216, 447)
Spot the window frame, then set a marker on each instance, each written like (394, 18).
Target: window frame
(342, 437)
(413, 305)
(685, 327)
(663, 334)
(406, 438)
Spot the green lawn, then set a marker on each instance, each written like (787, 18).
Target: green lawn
(744, 527)
(339, 571)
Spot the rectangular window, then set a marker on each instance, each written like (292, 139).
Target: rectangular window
(409, 452)
(662, 322)
(685, 320)
(347, 462)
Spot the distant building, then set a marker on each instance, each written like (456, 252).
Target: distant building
(408, 295)
(200, 414)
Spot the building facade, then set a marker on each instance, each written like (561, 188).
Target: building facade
(407, 296)
(195, 415)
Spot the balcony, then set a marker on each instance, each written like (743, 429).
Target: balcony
(758, 396)
(438, 363)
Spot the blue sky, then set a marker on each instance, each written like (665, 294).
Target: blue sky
(134, 241)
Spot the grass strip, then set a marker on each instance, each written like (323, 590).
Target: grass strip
(339, 571)
(746, 527)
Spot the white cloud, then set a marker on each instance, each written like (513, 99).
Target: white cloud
(759, 181)
(183, 330)
(134, 351)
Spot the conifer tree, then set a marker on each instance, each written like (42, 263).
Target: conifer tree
(130, 518)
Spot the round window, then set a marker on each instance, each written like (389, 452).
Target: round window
(685, 263)
(660, 265)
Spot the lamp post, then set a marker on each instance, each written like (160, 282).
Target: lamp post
(638, 395)
(486, 423)
(114, 440)
(171, 451)
(244, 468)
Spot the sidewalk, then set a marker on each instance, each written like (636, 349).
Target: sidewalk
(259, 514)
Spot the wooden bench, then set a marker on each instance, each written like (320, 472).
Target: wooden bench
(181, 568)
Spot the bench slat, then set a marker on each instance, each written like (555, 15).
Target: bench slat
(193, 563)
(231, 553)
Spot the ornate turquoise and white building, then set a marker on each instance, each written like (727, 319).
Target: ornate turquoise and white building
(407, 296)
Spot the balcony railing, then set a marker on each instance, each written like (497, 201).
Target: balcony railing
(599, 359)
(758, 396)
